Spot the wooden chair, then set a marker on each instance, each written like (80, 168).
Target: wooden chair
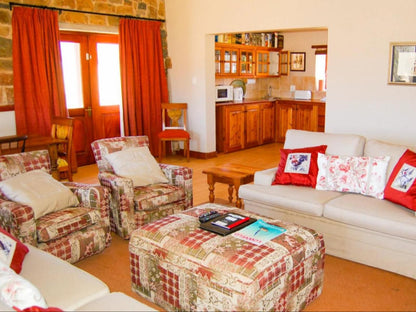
(174, 127)
(62, 128)
(12, 144)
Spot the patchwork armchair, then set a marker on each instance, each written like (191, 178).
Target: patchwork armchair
(71, 232)
(133, 206)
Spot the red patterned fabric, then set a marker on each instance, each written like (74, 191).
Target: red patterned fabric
(298, 166)
(61, 223)
(69, 235)
(135, 206)
(401, 186)
(14, 249)
(179, 266)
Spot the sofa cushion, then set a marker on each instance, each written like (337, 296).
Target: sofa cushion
(137, 164)
(378, 148)
(373, 214)
(61, 223)
(12, 251)
(152, 196)
(338, 144)
(355, 174)
(298, 166)
(401, 186)
(61, 294)
(297, 198)
(116, 301)
(40, 191)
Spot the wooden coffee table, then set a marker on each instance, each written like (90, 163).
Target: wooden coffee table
(232, 174)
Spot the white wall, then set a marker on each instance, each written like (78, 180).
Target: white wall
(359, 100)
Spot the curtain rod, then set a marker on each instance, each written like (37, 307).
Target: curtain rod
(11, 4)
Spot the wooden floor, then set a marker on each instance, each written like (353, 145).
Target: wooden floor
(348, 286)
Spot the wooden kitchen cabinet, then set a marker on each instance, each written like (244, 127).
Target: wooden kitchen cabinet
(252, 120)
(240, 126)
(267, 115)
(247, 61)
(230, 128)
(302, 115)
(226, 60)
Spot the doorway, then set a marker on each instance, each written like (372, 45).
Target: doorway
(91, 70)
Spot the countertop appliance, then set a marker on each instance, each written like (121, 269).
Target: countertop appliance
(238, 94)
(224, 93)
(303, 95)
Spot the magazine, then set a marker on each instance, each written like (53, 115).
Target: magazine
(259, 232)
(230, 220)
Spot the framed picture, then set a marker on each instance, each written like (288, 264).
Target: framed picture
(402, 65)
(297, 61)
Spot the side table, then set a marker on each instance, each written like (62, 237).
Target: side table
(232, 174)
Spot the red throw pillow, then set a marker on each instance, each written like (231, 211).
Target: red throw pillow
(12, 251)
(401, 186)
(299, 166)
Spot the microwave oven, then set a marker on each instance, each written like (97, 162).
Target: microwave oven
(223, 93)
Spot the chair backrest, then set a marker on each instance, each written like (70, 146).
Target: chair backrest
(12, 144)
(106, 146)
(63, 128)
(15, 164)
(174, 116)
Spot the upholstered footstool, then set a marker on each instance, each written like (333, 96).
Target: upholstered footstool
(179, 266)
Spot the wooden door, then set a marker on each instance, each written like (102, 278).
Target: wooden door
(87, 103)
(267, 122)
(285, 118)
(252, 119)
(234, 128)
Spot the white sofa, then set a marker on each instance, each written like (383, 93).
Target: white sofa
(69, 288)
(360, 228)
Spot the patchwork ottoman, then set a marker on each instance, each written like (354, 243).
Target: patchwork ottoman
(179, 266)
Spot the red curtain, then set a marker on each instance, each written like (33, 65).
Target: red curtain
(37, 71)
(143, 78)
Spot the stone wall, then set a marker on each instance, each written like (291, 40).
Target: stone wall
(145, 8)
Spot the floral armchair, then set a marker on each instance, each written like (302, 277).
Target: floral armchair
(71, 233)
(132, 206)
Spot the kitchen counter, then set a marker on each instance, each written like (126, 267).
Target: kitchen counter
(272, 99)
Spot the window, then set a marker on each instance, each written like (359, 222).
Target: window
(320, 66)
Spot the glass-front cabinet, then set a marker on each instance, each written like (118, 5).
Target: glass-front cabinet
(226, 60)
(262, 62)
(247, 62)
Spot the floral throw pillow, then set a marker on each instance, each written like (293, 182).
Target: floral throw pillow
(298, 166)
(401, 186)
(17, 292)
(363, 175)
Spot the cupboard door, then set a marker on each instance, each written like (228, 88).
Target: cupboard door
(307, 117)
(247, 62)
(234, 128)
(267, 123)
(285, 119)
(252, 115)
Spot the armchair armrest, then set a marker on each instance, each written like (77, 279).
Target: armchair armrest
(180, 176)
(19, 220)
(92, 196)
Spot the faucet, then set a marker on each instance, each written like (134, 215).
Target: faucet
(269, 94)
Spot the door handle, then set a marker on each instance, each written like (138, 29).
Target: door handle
(89, 111)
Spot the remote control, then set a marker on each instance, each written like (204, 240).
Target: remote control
(208, 216)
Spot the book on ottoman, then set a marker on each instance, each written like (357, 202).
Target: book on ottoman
(227, 223)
